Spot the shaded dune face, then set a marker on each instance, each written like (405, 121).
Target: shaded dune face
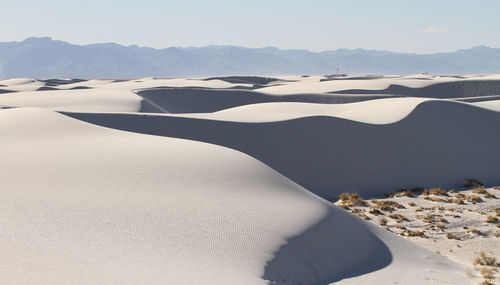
(328, 155)
(204, 100)
(457, 89)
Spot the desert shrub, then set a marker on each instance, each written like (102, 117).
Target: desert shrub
(489, 195)
(471, 183)
(435, 199)
(452, 191)
(474, 199)
(364, 216)
(460, 195)
(405, 193)
(442, 220)
(417, 190)
(398, 217)
(441, 226)
(479, 190)
(352, 199)
(430, 219)
(357, 210)
(483, 259)
(492, 219)
(387, 205)
(420, 234)
(452, 236)
(459, 201)
(389, 195)
(475, 232)
(412, 204)
(344, 206)
(487, 273)
(382, 221)
(438, 191)
(375, 212)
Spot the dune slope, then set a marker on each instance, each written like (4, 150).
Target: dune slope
(439, 144)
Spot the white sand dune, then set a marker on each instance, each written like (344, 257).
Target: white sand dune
(83, 204)
(98, 187)
(327, 155)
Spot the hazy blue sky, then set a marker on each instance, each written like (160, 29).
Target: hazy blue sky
(419, 26)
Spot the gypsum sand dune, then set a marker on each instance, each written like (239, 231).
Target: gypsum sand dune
(439, 144)
(113, 207)
(206, 100)
(455, 89)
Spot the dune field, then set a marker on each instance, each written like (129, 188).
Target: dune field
(232, 180)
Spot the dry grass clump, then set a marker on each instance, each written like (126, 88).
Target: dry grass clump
(435, 199)
(411, 204)
(344, 206)
(452, 236)
(404, 193)
(443, 220)
(475, 232)
(497, 211)
(398, 217)
(489, 195)
(387, 205)
(438, 191)
(382, 221)
(483, 259)
(459, 201)
(472, 183)
(419, 209)
(375, 212)
(497, 235)
(364, 216)
(492, 219)
(441, 226)
(479, 190)
(429, 219)
(420, 234)
(487, 273)
(460, 195)
(352, 199)
(474, 199)
(357, 210)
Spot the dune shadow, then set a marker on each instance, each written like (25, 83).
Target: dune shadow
(438, 144)
(335, 248)
(207, 100)
(467, 88)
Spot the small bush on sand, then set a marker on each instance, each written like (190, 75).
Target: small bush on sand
(398, 217)
(352, 199)
(452, 236)
(404, 193)
(420, 234)
(489, 195)
(471, 183)
(375, 212)
(492, 219)
(474, 199)
(411, 204)
(387, 205)
(479, 190)
(382, 221)
(459, 201)
(483, 259)
(438, 191)
(487, 273)
(364, 216)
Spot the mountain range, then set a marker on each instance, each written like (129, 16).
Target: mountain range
(46, 58)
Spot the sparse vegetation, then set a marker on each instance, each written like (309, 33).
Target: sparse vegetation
(484, 259)
(420, 234)
(375, 212)
(438, 191)
(479, 190)
(387, 205)
(473, 199)
(471, 183)
(398, 217)
(411, 204)
(352, 199)
(492, 219)
(452, 236)
(382, 221)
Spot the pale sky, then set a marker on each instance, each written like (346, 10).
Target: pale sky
(419, 26)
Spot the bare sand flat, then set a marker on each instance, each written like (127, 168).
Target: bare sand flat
(231, 180)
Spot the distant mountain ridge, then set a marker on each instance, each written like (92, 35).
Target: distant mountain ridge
(47, 58)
